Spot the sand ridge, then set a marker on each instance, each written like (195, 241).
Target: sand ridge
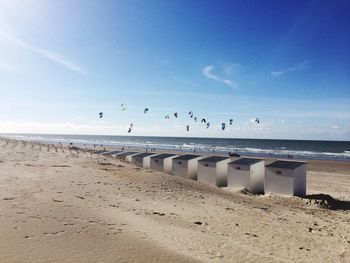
(71, 206)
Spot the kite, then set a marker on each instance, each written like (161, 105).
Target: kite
(188, 127)
(123, 106)
(191, 114)
(130, 128)
(175, 114)
(231, 121)
(101, 114)
(204, 120)
(145, 110)
(223, 126)
(167, 116)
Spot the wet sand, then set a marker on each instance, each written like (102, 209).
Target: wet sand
(79, 207)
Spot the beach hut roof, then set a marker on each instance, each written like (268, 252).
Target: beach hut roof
(100, 151)
(164, 155)
(186, 157)
(126, 154)
(214, 159)
(111, 152)
(142, 155)
(246, 161)
(285, 164)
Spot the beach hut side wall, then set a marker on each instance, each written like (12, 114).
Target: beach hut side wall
(257, 175)
(221, 173)
(128, 158)
(193, 169)
(207, 172)
(168, 164)
(300, 181)
(157, 164)
(238, 176)
(279, 181)
(147, 162)
(179, 168)
(138, 161)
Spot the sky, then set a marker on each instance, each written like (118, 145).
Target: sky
(284, 62)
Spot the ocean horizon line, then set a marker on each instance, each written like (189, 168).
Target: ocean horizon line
(169, 136)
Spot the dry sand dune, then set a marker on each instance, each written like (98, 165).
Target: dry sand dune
(76, 207)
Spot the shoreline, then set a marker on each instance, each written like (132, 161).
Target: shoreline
(186, 145)
(326, 166)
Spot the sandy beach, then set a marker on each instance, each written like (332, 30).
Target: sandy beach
(62, 206)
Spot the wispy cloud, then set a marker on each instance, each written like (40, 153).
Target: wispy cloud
(301, 66)
(208, 72)
(53, 56)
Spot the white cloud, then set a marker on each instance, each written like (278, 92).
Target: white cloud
(208, 72)
(301, 66)
(53, 56)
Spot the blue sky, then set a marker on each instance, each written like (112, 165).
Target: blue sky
(286, 62)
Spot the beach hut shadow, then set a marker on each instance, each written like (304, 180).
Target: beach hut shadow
(327, 201)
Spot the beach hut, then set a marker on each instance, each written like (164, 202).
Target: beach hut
(247, 173)
(110, 153)
(125, 155)
(213, 170)
(142, 159)
(162, 162)
(286, 178)
(100, 152)
(186, 166)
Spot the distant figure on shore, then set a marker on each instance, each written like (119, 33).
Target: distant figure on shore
(122, 148)
(232, 154)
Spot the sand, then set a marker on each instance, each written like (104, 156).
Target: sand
(77, 207)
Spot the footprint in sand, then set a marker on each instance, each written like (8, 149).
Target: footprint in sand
(54, 233)
(8, 198)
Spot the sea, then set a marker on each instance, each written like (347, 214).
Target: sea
(299, 149)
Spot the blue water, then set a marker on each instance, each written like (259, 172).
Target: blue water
(301, 149)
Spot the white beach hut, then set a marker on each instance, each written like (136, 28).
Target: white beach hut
(162, 162)
(186, 166)
(100, 152)
(213, 170)
(286, 178)
(247, 173)
(142, 159)
(125, 155)
(110, 153)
